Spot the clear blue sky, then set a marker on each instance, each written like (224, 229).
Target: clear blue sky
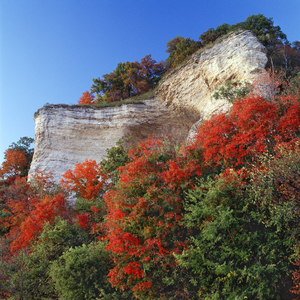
(51, 49)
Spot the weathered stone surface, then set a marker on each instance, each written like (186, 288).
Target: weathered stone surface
(188, 90)
(66, 136)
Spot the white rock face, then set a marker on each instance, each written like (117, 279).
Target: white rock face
(188, 90)
(65, 135)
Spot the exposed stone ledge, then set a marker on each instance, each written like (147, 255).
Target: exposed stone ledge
(65, 136)
(188, 90)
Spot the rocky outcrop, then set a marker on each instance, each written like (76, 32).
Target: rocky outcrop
(188, 89)
(67, 135)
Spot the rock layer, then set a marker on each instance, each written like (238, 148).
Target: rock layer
(65, 136)
(188, 89)
(68, 135)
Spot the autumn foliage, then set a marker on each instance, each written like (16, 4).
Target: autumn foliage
(87, 98)
(86, 180)
(43, 211)
(128, 79)
(26, 211)
(296, 279)
(148, 218)
(178, 221)
(143, 215)
(19, 200)
(14, 164)
(253, 126)
(145, 209)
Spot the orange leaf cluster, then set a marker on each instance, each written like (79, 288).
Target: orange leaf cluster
(44, 211)
(87, 98)
(15, 162)
(19, 202)
(28, 210)
(253, 126)
(86, 180)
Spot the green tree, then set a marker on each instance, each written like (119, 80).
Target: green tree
(275, 186)
(280, 52)
(264, 29)
(54, 240)
(232, 253)
(100, 87)
(81, 273)
(211, 34)
(232, 91)
(171, 44)
(179, 49)
(260, 25)
(14, 275)
(115, 158)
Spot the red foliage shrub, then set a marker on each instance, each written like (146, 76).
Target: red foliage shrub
(19, 201)
(44, 211)
(86, 180)
(143, 214)
(253, 126)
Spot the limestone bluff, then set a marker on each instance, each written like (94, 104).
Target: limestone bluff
(66, 135)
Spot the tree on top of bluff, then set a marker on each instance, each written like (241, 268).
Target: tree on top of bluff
(260, 25)
(134, 78)
(180, 48)
(281, 53)
(86, 98)
(128, 79)
(269, 35)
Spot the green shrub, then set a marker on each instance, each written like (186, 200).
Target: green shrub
(81, 273)
(232, 90)
(232, 254)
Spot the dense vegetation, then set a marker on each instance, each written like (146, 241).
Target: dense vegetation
(215, 219)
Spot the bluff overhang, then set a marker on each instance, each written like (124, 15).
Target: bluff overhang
(66, 135)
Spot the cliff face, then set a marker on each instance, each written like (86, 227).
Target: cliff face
(239, 57)
(66, 136)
